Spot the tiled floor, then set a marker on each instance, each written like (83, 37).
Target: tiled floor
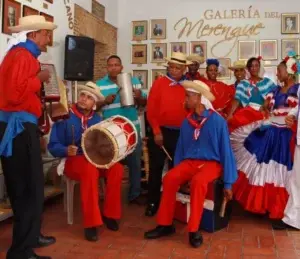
(246, 237)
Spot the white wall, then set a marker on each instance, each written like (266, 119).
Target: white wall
(173, 10)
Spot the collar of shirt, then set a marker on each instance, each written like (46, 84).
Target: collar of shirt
(174, 82)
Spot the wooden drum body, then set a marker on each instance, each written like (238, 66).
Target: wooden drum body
(109, 141)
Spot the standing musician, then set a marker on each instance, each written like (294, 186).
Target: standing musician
(203, 152)
(165, 113)
(20, 108)
(193, 69)
(65, 142)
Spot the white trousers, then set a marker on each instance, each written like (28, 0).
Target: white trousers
(292, 209)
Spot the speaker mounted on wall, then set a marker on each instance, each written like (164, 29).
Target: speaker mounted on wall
(79, 58)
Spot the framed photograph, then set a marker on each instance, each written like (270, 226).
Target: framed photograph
(139, 54)
(139, 30)
(199, 48)
(246, 49)
(158, 29)
(11, 15)
(288, 45)
(141, 75)
(268, 49)
(178, 47)
(155, 73)
(29, 11)
(290, 23)
(158, 52)
(49, 18)
(271, 73)
(224, 72)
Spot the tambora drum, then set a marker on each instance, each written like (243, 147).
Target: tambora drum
(109, 141)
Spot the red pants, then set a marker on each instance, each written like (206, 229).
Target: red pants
(200, 173)
(79, 169)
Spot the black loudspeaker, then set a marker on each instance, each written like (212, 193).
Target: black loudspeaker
(79, 58)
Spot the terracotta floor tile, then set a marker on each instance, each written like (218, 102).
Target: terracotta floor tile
(287, 253)
(250, 240)
(258, 251)
(266, 241)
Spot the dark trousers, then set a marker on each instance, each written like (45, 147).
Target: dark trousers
(24, 179)
(157, 161)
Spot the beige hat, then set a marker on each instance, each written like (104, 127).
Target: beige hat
(33, 22)
(196, 58)
(237, 65)
(178, 58)
(93, 89)
(200, 87)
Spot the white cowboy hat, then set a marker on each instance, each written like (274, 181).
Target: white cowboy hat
(200, 87)
(33, 22)
(93, 89)
(196, 58)
(178, 58)
(237, 65)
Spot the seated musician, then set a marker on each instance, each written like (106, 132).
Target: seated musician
(65, 141)
(203, 152)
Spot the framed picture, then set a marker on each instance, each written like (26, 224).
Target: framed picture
(141, 75)
(139, 30)
(288, 45)
(178, 47)
(268, 49)
(224, 72)
(11, 15)
(29, 11)
(290, 23)
(247, 49)
(199, 48)
(202, 72)
(49, 18)
(139, 54)
(158, 29)
(158, 52)
(155, 73)
(271, 72)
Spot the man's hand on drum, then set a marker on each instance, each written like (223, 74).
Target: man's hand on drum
(289, 120)
(228, 194)
(159, 140)
(110, 99)
(72, 150)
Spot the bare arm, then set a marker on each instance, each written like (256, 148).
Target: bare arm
(234, 105)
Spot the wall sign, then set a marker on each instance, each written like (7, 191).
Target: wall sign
(69, 14)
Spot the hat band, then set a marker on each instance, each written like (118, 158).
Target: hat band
(179, 60)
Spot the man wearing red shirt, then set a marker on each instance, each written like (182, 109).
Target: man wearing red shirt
(20, 108)
(165, 113)
(193, 69)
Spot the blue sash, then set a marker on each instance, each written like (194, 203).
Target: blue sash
(14, 127)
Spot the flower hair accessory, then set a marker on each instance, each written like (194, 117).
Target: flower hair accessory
(259, 58)
(292, 64)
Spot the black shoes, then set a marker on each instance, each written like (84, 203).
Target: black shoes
(44, 241)
(195, 239)
(91, 234)
(280, 225)
(151, 210)
(35, 256)
(111, 224)
(160, 231)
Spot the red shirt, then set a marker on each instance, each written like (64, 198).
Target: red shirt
(165, 106)
(19, 84)
(196, 77)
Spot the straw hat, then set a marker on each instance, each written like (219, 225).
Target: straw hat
(33, 22)
(237, 65)
(200, 87)
(93, 89)
(196, 58)
(178, 58)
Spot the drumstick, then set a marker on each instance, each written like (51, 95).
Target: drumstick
(73, 135)
(166, 152)
(223, 208)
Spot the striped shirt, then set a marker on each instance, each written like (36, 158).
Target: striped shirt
(107, 87)
(245, 91)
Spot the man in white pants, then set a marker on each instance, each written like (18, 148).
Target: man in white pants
(292, 209)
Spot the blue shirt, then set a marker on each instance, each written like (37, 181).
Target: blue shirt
(213, 144)
(107, 87)
(61, 134)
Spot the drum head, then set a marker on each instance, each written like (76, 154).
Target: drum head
(99, 147)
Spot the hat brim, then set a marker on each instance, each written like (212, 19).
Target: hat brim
(88, 89)
(191, 85)
(237, 67)
(199, 60)
(36, 26)
(169, 60)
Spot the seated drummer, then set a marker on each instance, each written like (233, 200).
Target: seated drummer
(65, 142)
(203, 152)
